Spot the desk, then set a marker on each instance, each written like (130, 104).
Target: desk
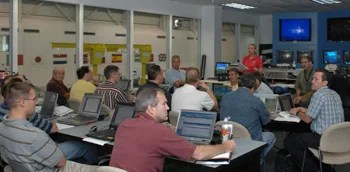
(211, 81)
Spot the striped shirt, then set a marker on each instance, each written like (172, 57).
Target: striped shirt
(35, 119)
(112, 94)
(325, 109)
(22, 143)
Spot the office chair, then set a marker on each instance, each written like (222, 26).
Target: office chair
(173, 117)
(334, 146)
(109, 169)
(239, 131)
(8, 169)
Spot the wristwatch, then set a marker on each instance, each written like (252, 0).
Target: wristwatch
(298, 113)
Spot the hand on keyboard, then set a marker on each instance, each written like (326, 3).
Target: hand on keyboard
(284, 114)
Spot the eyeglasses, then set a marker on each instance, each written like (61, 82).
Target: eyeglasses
(33, 99)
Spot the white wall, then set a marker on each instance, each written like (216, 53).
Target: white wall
(265, 27)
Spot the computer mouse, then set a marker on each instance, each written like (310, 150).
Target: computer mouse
(93, 129)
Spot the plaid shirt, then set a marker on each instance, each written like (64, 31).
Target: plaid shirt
(325, 109)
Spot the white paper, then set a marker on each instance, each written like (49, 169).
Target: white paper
(63, 126)
(95, 141)
(288, 119)
(226, 157)
(62, 110)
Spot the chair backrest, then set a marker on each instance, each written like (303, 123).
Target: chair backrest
(239, 130)
(109, 169)
(173, 117)
(8, 169)
(74, 104)
(336, 138)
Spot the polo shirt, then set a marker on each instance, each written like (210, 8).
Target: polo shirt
(81, 87)
(256, 62)
(142, 144)
(188, 97)
(172, 75)
(303, 81)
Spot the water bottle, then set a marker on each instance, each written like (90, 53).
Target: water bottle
(226, 130)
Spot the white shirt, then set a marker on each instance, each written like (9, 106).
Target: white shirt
(263, 89)
(188, 97)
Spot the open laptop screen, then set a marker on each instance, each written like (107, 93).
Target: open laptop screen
(49, 104)
(124, 84)
(270, 101)
(220, 90)
(121, 113)
(196, 125)
(91, 105)
(286, 102)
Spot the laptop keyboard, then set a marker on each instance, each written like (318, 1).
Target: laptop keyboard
(107, 134)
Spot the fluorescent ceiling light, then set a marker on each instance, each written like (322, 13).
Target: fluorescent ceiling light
(327, 1)
(239, 6)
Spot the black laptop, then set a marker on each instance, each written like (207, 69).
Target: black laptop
(49, 103)
(121, 113)
(89, 111)
(124, 84)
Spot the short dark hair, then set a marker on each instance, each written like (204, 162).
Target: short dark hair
(307, 57)
(153, 72)
(82, 71)
(326, 76)
(147, 97)
(107, 72)
(235, 70)
(248, 81)
(8, 80)
(256, 75)
(17, 90)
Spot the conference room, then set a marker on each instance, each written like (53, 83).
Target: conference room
(37, 36)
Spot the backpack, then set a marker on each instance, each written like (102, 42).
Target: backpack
(283, 162)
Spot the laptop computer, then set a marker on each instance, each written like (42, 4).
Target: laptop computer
(196, 126)
(124, 84)
(89, 111)
(286, 102)
(270, 101)
(49, 103)
(220, 90)
(121, 113)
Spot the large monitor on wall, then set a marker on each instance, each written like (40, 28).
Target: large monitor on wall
(221, 68)
(295, 30)
(338, 29)
(346, 57)
(284, 56)
(301, 53)
(331, 57)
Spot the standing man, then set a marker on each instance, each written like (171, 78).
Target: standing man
(248, 110)
(325, 109)
(142, 143)
(188, 97)
(83, 85)
(175, 76)
(112, 94)
(56, 85)
(303, 82)
(155, 78)
(25, 147)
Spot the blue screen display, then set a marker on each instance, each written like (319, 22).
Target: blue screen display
(331, 57)
(221, 68)
(295, 29)
(346, 58)
(285, 56)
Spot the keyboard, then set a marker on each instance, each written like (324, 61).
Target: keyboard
(77, 120)
(107, 134)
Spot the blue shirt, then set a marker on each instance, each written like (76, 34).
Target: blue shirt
(245, 109)
(173, 75)
(35, 119)
(325, 109)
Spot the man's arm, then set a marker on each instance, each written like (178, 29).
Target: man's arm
(301, 113)
(203, 152)
(62, 162)
(210, 93)
(54, 128)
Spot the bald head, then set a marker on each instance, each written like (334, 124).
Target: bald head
(58, 73)
(192, 76)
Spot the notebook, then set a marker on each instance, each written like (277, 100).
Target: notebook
(124, 84)
(121, 113)
(196, 126)
(89, 111)
(49, 103)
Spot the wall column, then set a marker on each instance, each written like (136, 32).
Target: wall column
(14, 12)
(79, 51)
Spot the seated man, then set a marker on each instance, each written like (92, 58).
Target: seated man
(188, 97)
(262, 88)
(142, 143)
(83, 85)
(303, 83)
(175, 76)
(233, 75)
(25, 147)
(56, 85)
(325, 109)
(73, 150)
(246, 109)
(155, 78)
(112, 94)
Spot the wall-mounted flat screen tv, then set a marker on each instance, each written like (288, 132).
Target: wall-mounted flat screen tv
(284, 56)
(301, 53)
(346, 57)
(295, 30)
(331, 57)
(338, 29)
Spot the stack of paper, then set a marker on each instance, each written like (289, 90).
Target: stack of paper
(219, 159)
(62, 110)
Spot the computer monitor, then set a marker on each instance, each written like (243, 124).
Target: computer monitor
(286, 102)
(346, 57)
(285, 56)
(49, 104)
(301, 53)
(270, 101)
(91, 104)
(221, 68)
(124, 84)
(331, 57)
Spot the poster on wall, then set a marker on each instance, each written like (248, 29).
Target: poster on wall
(59, 59)
(20, 59)
(117, 58)
(162, 57)
(85, 58)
